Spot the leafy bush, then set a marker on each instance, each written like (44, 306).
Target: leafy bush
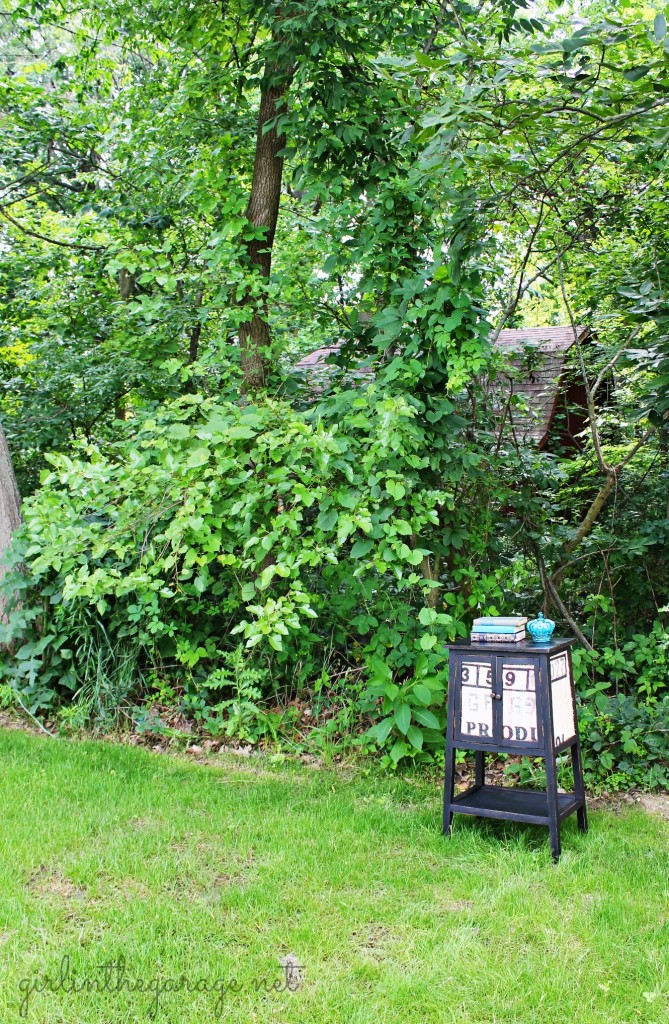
(625, 733)
(625, 743)
(229, 702)
(639, 666)
(219, 523)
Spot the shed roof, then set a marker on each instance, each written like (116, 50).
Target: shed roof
(538, 355)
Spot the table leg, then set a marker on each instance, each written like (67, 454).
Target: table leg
(579, 789)
(551, 793)
(479, 767)
(449, 789)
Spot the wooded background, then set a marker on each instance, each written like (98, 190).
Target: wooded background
(193, 197)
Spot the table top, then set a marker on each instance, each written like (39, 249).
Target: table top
(558, 643)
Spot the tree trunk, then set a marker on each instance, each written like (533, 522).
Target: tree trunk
(10, 507)
(431, 572)
(262, 212)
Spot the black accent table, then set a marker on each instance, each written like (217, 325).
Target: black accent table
(514, 699)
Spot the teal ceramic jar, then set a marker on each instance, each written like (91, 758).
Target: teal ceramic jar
(541, 629)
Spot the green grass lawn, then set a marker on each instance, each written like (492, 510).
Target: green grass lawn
(216, 873)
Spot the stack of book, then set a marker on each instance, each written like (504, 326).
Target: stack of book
(499, 629)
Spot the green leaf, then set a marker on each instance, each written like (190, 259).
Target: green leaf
(422, 693)
(327, 520)
(266, 577)
(575, 43)
(395, 489)
(634, 74)
(361, 548)
(427, 641)
(178, 431)
(426, 718)
(240, 432)
(399, 750)
(415, 737)
(198, 458)
(380, 670)
(347, 499)
(433, 683)
(403, 717)
(382, 730)
(659, 27)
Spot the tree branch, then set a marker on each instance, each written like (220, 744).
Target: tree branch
(550, 590)
(51, 241)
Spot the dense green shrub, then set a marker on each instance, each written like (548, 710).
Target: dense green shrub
(623, 714)
(220, 523)
(625, 742)
(639, 666)
(229, 556)
(624, 711)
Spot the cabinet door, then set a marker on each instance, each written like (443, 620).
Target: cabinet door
(474, 717)
(520, 722)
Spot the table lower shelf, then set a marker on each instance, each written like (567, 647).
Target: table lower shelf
(528, 805)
